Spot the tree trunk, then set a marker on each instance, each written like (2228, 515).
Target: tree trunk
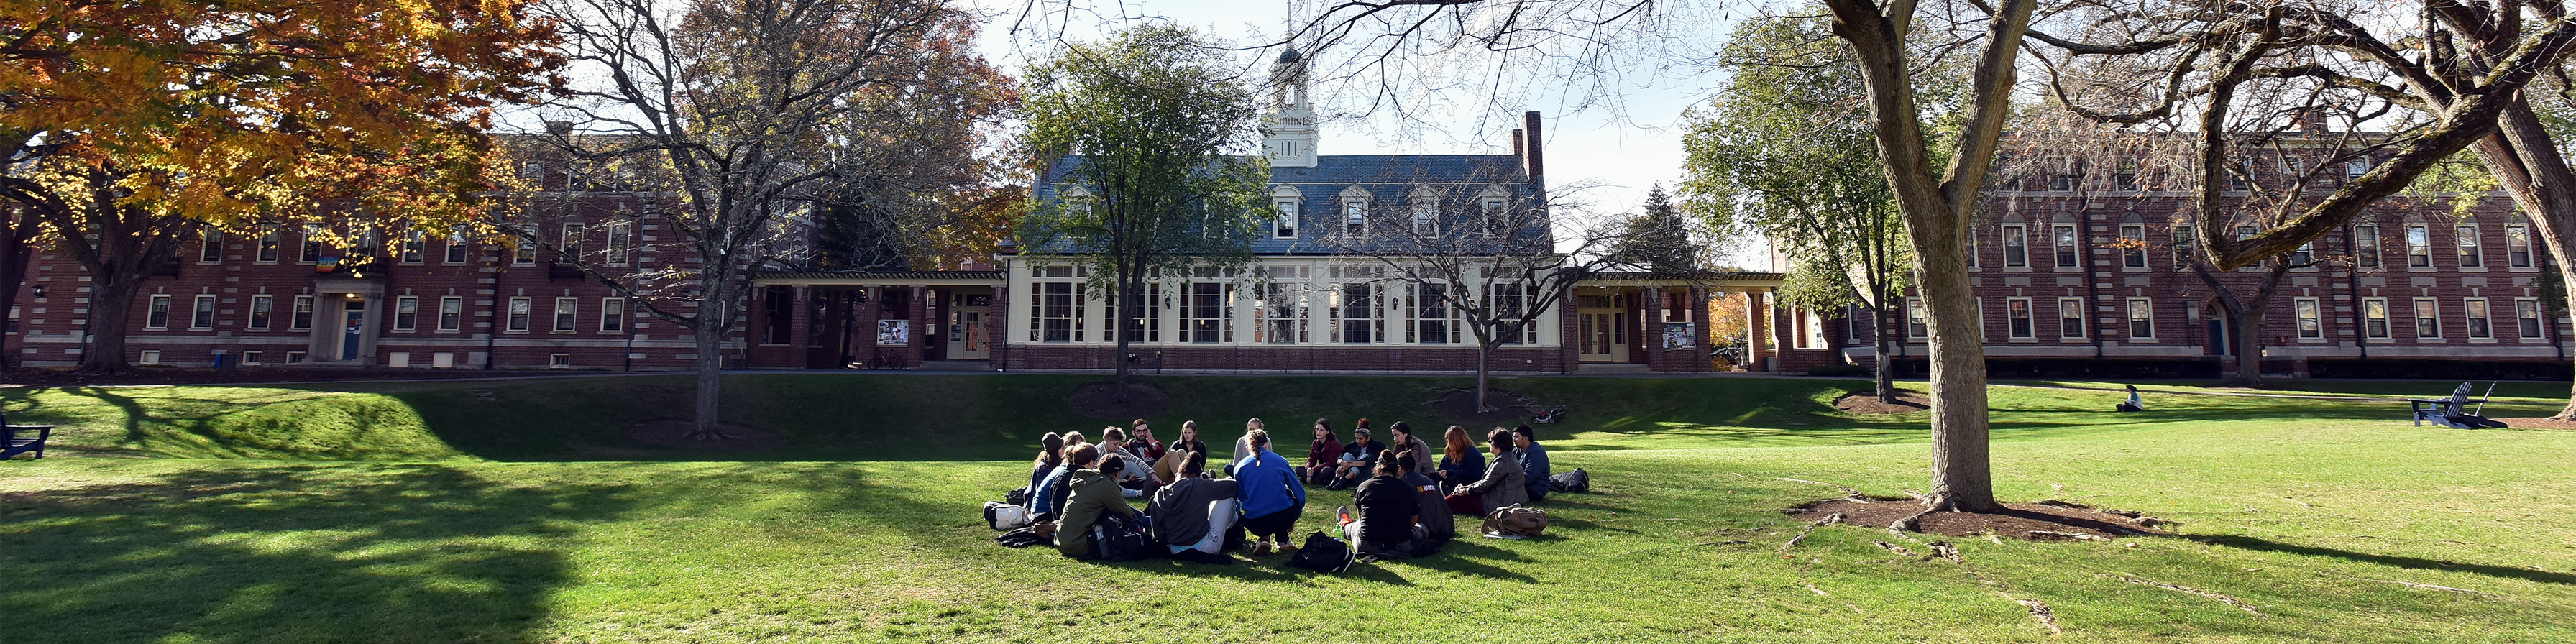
(1484, 372)
(1962, 476)
(2246, 329)
(1120, 314)
(2525, 159)
(111, 303)
(709, 333)
(13, 274)
(1878, 333)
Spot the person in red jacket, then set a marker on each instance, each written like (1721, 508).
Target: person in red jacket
(1321, 456)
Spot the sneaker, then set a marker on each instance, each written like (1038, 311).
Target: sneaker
(1261, 549)
(1343, 514)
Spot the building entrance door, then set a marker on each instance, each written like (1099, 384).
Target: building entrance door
(966, 334)
(353, 327)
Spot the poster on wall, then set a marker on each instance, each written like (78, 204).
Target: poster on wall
(894, 332)
(1679, 335)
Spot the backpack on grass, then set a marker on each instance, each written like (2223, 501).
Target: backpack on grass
(1575, 481)
(1119, 538)
(1516, 522)
(1323, 554)
(1005, 516)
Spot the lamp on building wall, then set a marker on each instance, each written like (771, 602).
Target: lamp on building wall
(40, 290)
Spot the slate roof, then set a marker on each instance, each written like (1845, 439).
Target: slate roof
(1385, 178)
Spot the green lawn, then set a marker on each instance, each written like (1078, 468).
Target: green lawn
(419, 512)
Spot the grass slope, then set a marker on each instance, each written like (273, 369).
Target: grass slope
(2317, 515)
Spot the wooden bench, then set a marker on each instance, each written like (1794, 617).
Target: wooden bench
(11, 444)
(2452, 412)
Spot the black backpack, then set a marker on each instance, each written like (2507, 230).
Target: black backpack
(1575, 481)
(1323, 554)
(1119, 538)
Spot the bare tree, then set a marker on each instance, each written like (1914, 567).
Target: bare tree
(728, 109)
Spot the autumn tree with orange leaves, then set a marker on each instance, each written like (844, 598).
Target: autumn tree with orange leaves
(136, 125)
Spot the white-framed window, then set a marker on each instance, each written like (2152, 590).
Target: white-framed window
(2017, 316)
(2365, 245)
(211, 251)
(311, 250)
(2526, 315)
(2133, 245)
(518, 315)
(267, 252)
(202, 316)
(559, 361)
(295, 357)
(2428, 318)
(1810, 330)
(1916, 326)
(1428, 318)
(1205, 313)
(150, 356)
(570, 251)
(302, 317)
(2353, 169)
(451, 313)
(565, 309)
(407, 313)
(1426, 217)
(1509, 301)
(456, 246)
(1284, 226)
(2481, 325)
(2016, 246)
(253, 358)
(1356, 314)
(415, 247)
(2142, 318)
(2061, 182)
(2517, 244)
(2305, 256)
(1355, 218)
(1496, 217)
(2311, 318)
(2185, 244)
(1145, 311)
(1056, 313)
(262, 307)
(612, 315)
(2070, 318)
(2471, 254)
(621, 243)
(2419, 246)
(1279, 313)
(156, 315)
(1973, 249)
(526, 253)
(2064, 237)
(2374, 318)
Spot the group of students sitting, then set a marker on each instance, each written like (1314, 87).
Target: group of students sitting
(1406, 503)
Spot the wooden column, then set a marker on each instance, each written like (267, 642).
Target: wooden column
(1756, 332)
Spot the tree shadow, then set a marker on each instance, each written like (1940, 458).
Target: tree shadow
(2394, 561)
(387, 553)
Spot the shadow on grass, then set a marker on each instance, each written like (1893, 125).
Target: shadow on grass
(387, 553)
(2395, 561)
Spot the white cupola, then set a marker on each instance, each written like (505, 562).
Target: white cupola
(1288, 132)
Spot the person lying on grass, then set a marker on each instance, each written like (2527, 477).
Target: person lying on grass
(1094, 494)
(1195, 515)
(1269, 494)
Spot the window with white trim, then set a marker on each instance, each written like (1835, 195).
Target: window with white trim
(202, 316)
(2064, 236)
(211, 250)
(2133, 245)
(2517, 244)
(456, 246)
(2419, 246)
(2070, 318)
(415, 247)
(1355, 218)
(2365, 245)
(2311, 319)
(156, 315)
(267, 253)
(2185, 244)
(1279, 313)
(406, 313)
(1145, 314)
(261, 308)
(518, 315)
(2016, 246)
(451, 313)
(2017, 314)
(2471, 254)
(2526, 315)
(1356, 314)
(2481, 325)
(612, 315)
(1915, 324)
(621, 243)
(2374, 318)
(570, 251)
(302, 317)
(2428, 318)
(1509, 301)
(2142, 318)
(1056, 313)
(1426, 217)
(1204, 311)
(565, 310)
(311, 250)
(526, 253)
(1284, 226)
(1428, 318)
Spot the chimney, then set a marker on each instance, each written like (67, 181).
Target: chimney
(1534, 160)
(1516, 142)
(559, 128)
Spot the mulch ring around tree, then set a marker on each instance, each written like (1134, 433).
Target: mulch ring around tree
(1460, 404)
(2050, 520)
(2537, 423)
(1868, 403)
(674, 433)
(1095, 400)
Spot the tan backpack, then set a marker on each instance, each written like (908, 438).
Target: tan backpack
(1516, 521)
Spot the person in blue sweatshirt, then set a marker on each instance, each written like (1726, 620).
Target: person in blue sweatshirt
(1533, 462)
(1269, 494)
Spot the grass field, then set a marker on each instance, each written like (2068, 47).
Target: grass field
(420, 512)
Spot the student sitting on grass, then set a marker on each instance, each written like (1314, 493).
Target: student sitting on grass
(2133, 404)
(1400, 438)
(1168, 468)
(1384, 526)
(1194, 515)
(1094, 494)
(1046, 501)
(1321, 455)
(1432, 512)
(1504, 483)
(1268, 492)
(1138, 479)
(1357, 458)
(1050, 455)
(1243, 446)
(1533, 462)
(1141, 442)
(1459, 461)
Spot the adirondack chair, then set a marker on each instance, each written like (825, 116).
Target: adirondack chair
(2453, 412)
(11, 444)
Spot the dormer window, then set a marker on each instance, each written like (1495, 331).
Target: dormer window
(1426, 218)
(1355, 218)
(1285, 225)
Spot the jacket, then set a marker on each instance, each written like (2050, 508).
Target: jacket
(1462, 471)
(1180, 510)
(1534, 470)
(1433, 513)
(1504, 482)
(1048, 498)
(1267, 485)
(1422, 458)
(1093, 495)
(1324, 452)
